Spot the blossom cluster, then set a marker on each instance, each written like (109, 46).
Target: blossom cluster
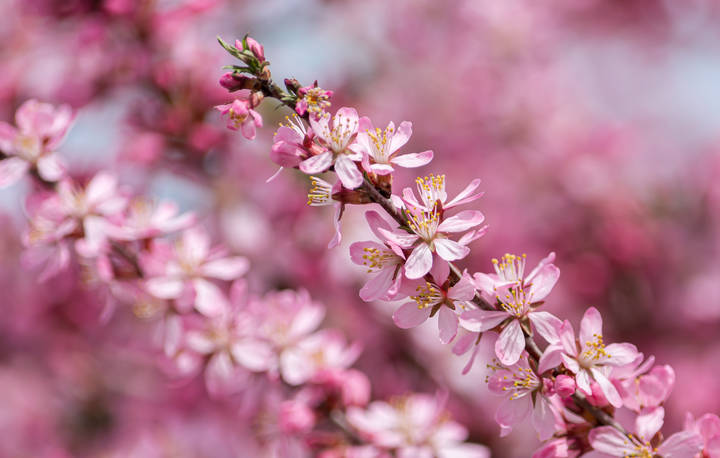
(150, 256)
(574, 386)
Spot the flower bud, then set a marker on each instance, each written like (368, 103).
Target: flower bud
(564, 385)
(256, 48)
(234, 82)
(295, 417)
(292, 84)
(597, 397)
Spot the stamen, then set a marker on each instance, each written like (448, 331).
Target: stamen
(320, 194)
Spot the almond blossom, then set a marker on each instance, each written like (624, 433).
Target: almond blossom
(318, 357)
(41, 128)
(430, 299)
(589, 358)
(430, 235)
(431, 190)
(313, 99)
(184, 272)
(241, 116)
(337, 136)
(517, 297)
(414, 426)
(380, 147)
(146, 219)
(524, 391)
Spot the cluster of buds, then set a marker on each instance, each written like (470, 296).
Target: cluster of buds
(573, 386)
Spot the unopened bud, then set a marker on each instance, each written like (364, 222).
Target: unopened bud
(292, 84)
(256, 98)
(564, 385)
(256, 48)
(234, 82)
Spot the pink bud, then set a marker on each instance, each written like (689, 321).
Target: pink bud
(296, 417)
(355, 388)
(256, 48)
(565, 385)
(233, 82)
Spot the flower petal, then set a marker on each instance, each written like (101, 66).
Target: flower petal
(482, 320)
(419, 262)
(410, 315)
(511, 343)
(317, 164)
(450, 250)
(462, 221)
(12, 170)
(347, 172)
(413, 159)
(225, 268)
(447, 324)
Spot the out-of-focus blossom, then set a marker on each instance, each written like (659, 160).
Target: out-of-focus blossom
(609, 442)
(414, 426)
(317, 356)
(708, 427)
(146, 219)
(184, 272)
(41, 128)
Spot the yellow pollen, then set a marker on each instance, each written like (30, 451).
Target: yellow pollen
(595, 349)
(427, 295)
(376, 259)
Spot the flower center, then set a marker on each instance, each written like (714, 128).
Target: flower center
(320, 194)
(510, 267)
(376, 259)
(380, 140)
(594, 349)
(427, 296)
(431, 189)
(317, 100)
(514, 301)
(424, 223)
(519, 380)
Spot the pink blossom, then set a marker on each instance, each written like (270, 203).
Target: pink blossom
(296, 417)
(609, 442)
(517, 298)
(430, 299)
(313, 99)
(41, 128)
(186, 274)
(642, 388)
(414, 426)
(431, 190)
(384, 260)
(589, 358)
(292, 143)
(241, 116)
(708, 427)
(146, 219)
(380, 147)
(524, 391)
(430, 235)
(564, 385)
(337, 138)
(311, 358)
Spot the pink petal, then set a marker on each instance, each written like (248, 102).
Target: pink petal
(621, 354)
(195, 245)
(380, 169)
(543, 262)
(296, 367)
(582, 378)
(607, 439)
(551, 357)
(409, 197)
(12, 170)
(462, 221)
(464, 290)
(410, 315)
(413, 159)
(209, 300)
(347, 172)
(512, 412)
(590, 326)
(482, 320)
(447, 324)
(255, 355)
(611, 393)
(164, 287)
(346, 115)
(317, 164)
(320, 125)
(377, 286)
(401, 136)
(685, 444)
(649, 421)
(225, 268)
(7, 137)
(419, 262)
(375, 221)
(248, 129)
(307, 320)
(511, 343)
(199, 342)
(100, 188)
(544, 418)
(543, 282)
(464, 196)
(547, 325)
(50, 167)
(337, 237)
(463, 344)
(450, 250)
